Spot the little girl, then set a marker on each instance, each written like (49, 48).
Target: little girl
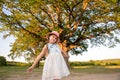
(55, 66)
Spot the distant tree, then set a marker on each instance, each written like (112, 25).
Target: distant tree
(3, 61)
(79, 22)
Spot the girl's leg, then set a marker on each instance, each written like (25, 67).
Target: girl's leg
(56, 79)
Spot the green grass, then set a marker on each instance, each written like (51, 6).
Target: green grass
(7, 71)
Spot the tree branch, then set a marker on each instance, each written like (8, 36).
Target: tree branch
(41, 22)
(27, 30)
(92, 36)
(85, 4)
(50, 16)
(70, 10)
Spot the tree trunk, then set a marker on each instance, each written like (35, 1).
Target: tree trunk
(38, 64)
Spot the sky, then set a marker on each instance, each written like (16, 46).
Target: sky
(95, 53)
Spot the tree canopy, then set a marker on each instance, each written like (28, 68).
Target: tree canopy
(79, 22)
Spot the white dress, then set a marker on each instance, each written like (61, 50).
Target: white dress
(55, 66)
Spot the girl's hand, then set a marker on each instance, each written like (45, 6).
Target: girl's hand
(30, 69)
(68, 56)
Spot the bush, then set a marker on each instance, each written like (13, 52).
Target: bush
(111, 64)
(3, 61)
(77, 63)
(13, 63)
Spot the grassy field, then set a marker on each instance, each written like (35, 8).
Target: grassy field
(8, 71)
(17, 71)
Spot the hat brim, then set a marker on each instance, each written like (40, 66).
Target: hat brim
(52, 34)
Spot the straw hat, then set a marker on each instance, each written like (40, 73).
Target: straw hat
(53, 33)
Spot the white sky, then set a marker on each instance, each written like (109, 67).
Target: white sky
(96, 53)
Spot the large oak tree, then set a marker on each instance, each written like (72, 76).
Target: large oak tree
(79, 22)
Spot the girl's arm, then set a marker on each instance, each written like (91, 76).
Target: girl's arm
(44, 50)
(65, 53)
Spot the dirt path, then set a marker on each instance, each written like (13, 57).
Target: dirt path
(111, 76)
(73, 76)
